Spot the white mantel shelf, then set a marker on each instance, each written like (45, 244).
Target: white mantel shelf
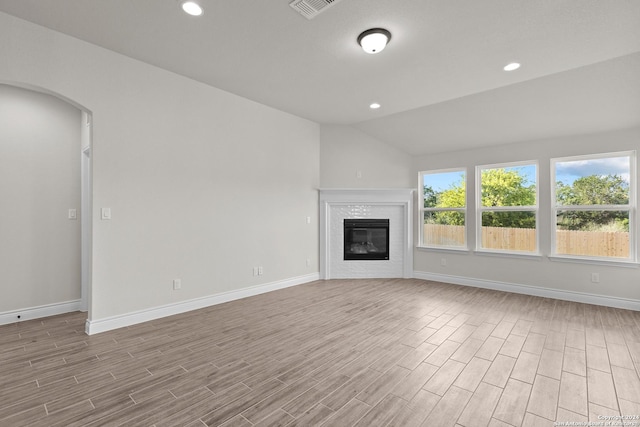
(337, 204)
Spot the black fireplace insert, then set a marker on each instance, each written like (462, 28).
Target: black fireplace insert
(366, 239)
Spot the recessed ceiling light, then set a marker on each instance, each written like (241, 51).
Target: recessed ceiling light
(192, 8)
(374, 106)
(374, 40)
(512, 66)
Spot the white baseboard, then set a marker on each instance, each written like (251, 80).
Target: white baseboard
(128, 319)
(628, 304)
(31, 313)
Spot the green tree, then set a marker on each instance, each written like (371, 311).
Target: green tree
(593, 190)
(455, 197)
(502, 187)
(430, 197)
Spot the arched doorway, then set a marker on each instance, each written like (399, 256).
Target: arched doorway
(45, 140)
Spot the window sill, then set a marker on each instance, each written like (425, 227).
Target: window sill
(520, 255)
(576, 260)
(442, 249)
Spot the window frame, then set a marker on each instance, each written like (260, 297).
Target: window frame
(422, 210)
(481, 209)
(631, 207)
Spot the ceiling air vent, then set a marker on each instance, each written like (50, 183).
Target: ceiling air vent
(311, 8)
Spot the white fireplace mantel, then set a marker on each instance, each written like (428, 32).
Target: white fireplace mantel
(339, 204)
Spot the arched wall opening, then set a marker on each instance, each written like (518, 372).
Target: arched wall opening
(45, 163)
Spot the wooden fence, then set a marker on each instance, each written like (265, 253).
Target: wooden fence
(591, 243)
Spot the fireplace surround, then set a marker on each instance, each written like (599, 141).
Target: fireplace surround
(340, 206)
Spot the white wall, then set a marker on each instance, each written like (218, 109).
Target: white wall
(39, 183)
(86, 216)
(345, 150)
(617, 282)
(203, 185)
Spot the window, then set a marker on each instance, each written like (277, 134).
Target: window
(443, 208)
(507, 207)
(593, 206)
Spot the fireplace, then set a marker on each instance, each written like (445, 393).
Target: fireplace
(366, 239)
(340, 205)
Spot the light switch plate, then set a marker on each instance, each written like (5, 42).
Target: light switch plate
(73, 214)
(105, 213)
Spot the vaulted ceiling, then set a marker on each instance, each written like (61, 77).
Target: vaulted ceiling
(440, 81)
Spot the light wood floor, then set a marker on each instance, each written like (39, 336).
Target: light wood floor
(336, 353)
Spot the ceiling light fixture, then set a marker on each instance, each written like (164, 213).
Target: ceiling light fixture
(512, 66)
(374, 40)
(192, 8)
(374, 106)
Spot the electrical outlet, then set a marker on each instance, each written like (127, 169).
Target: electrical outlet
(443, 262)
(177, 284)
(359, 174)
(260, 271)
(308, 220)
(595, 278)
(308, 262)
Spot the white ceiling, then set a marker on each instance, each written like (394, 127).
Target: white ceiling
(440, 80)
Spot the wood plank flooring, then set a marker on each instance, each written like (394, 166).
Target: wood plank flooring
(335, 353)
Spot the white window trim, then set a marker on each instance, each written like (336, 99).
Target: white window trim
(480, 209)
(422, 209)
(631, 207)
(511, 254)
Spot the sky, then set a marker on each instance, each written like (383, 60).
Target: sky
(567, 172)
(442, 181)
